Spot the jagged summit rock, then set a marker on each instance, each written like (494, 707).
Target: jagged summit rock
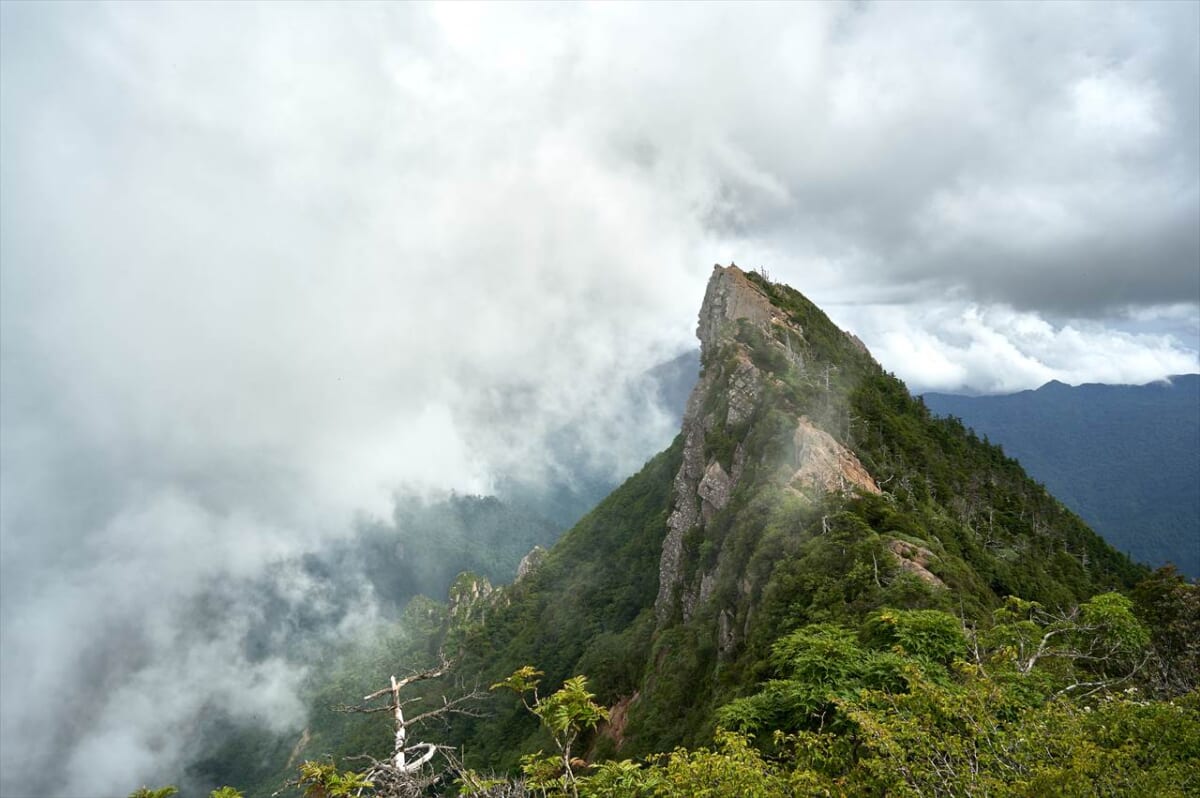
(740, 329)
(731, 296)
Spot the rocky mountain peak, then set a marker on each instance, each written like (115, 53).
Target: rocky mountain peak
(731, 296)
(753, 352)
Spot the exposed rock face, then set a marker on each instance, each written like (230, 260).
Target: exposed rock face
(685, 513)
(298, 748)
(714, 490)
(745, 387)
(915, 560)
(825, 465)
(618, 717)
(729, 297)
(727, 397)
(469, 597)
(530, 561)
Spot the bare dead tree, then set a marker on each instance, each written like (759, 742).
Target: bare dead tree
(404, 775)
(1094, 646)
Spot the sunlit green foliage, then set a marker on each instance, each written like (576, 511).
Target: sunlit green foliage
(325, 780)
(731, 767)
(814, 666)
(160, 792)
(166, 792)
(967, 713)
(616, 779)
(566, 713)
(225, 792)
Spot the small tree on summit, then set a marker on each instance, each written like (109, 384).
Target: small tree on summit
(566, 714)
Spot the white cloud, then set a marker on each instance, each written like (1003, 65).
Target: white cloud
(955, 346)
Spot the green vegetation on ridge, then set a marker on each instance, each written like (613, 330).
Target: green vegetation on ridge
(1125, 457)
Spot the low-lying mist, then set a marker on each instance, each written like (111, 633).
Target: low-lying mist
(163, 624)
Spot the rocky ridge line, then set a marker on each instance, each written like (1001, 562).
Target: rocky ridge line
(703, 486)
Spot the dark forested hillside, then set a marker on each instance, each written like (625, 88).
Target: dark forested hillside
(1126, 458)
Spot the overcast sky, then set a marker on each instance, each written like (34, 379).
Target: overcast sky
(262, 265)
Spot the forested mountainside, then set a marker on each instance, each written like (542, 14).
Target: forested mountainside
(1126, 458)
(819, 588)
(807, 486)
(427, 542)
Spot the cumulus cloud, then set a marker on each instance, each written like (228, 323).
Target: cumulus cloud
(263, 264)
(969, 348)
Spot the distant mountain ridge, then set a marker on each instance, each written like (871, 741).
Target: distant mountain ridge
(1126, 458)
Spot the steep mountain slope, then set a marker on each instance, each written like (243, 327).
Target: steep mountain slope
(1125, 457)
(807, 485)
